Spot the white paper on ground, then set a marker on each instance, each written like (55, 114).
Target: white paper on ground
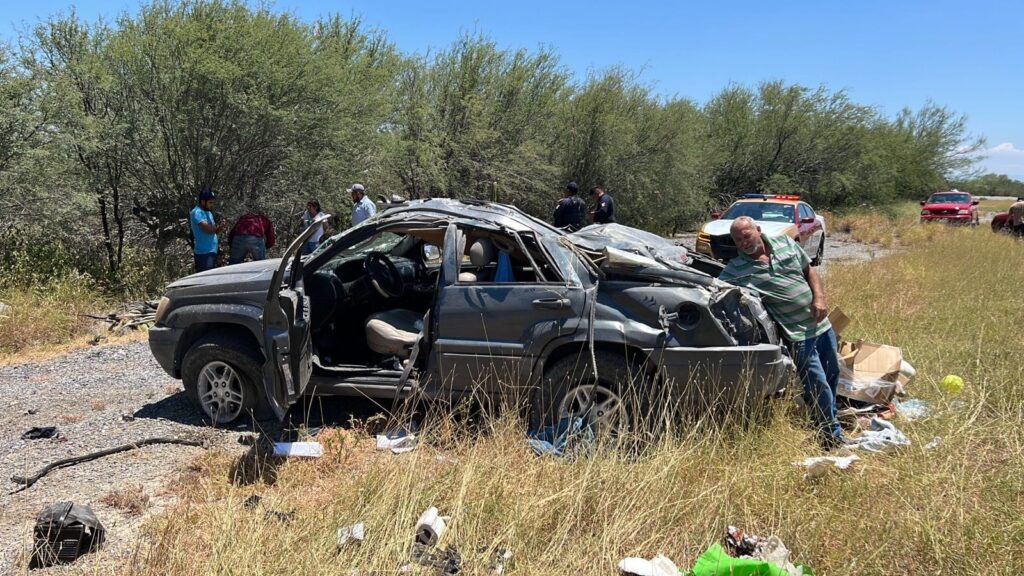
(298, 449)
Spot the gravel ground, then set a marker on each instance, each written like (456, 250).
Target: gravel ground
(85, 394)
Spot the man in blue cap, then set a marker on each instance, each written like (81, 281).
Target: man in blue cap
(204, 231)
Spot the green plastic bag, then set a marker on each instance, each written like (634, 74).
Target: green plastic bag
(717, 562)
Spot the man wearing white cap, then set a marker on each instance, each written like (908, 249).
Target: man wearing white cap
(362, 206)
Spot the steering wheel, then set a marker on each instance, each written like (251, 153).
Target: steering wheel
(384, 276)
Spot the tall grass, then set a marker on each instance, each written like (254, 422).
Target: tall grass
(48, 314)
(952, 304)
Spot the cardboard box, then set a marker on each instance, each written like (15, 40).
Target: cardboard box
(872, 372)
(839, 320)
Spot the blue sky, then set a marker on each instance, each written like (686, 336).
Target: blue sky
(968, 56)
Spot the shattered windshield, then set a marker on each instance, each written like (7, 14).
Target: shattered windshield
(764, 211)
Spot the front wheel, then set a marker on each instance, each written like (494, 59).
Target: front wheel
(820, 256)
(221, 374)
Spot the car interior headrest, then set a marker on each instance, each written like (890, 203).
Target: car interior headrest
(482, 253)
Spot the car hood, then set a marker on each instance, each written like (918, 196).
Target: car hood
(721, 227)
(245, 277)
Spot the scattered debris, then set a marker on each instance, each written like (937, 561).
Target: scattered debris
(818, 466)
(952, 384)
(657, 566)
(499, 560)
(717, 562)
(63, 532)
(40, 433)
(447, 561)
(398, 442)
(913, 409)
(740, 543)
(135, 316)
(346, 534)
(27, 481)
(883, 436)
(298, 449)
(254, 500)
(569, 438)
(30, 412)
(127, 418)
(430, 527)
(934, 443)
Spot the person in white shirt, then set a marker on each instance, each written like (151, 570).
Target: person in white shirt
(312, 211)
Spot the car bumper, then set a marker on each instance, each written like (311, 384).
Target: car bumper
(703, 246)
(726, 374)
(951, 218)
(163, 343)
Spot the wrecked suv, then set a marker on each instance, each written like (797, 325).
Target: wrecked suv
(446, 298)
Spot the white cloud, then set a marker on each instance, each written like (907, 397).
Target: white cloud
(1004, 158)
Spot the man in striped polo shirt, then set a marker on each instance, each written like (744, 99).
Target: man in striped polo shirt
(779, 270)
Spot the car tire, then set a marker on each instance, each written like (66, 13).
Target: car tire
(821, 253)
(623, 388)
(221, 374)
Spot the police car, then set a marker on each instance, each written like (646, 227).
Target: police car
(775, 214)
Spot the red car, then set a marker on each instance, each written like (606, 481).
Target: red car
(955, 207)
(1001, 223)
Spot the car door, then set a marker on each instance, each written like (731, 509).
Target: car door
(286, 333)
(807, 230)
(488, 335)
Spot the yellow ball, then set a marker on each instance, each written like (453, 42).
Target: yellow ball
(952, 384)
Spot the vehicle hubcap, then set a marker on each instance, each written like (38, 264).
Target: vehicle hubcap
(220, 392)
(599, 407)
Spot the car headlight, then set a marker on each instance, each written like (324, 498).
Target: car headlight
(963, 212)
(925, 212)
(161, 309)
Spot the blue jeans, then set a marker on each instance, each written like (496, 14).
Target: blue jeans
(242, 246)
(205, 262)
(309, 247)
(818, 367)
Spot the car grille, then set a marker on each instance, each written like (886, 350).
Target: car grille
(723, 248)
(945, 212)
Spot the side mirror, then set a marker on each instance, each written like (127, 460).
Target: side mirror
(975, 202)
(716, 215)
(922, 202)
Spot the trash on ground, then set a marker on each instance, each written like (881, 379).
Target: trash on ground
(353, 533)
(30, 412)
(135, 316)
(447, 561)
(254, 500)
(883, 436)
(127, 418)
(739, 543)
(934, 443)
(397, 444)
(715, 561)
(912, 409)
(499, 560)
(873, 373)
(952, 384)
(431, 526)
(63, 532)
(40, 433)
(818, 466)
(658, 566)
(298, 449)
(569, 438)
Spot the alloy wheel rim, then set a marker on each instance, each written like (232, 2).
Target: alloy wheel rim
(598, 406)
(220, 392)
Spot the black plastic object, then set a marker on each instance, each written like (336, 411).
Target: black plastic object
(64, 532)
(40, 433)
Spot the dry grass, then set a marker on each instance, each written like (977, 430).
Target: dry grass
(71, 417)
(98, 405)
(46, 316)
(953, 510)
(131, 499)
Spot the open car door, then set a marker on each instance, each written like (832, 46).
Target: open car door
(286, 333)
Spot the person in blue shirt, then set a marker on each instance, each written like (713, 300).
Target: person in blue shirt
(362, 206)
(204, 231)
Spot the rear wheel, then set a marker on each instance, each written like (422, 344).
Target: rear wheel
(612, 405)
(221, 374)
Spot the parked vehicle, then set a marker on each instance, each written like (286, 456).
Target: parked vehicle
(775, 214)
(954, 207)
(1001, 223)
(450, 298)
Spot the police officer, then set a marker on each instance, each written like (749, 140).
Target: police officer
(570, 213)
(605, 211)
